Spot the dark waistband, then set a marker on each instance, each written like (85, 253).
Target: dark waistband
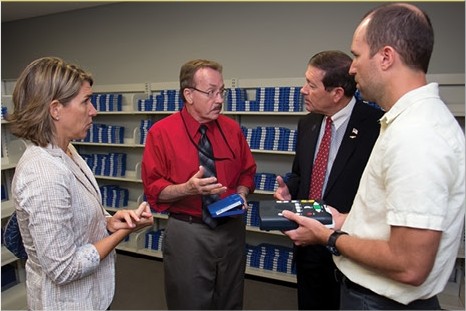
(187, 218)
(420, 304)
(342, 279)
(198, 220)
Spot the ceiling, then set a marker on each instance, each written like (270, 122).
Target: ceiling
(16, 10)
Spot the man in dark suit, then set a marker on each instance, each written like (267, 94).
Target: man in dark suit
(328, 93)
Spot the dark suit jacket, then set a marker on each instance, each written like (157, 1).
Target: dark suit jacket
(317, 287)
(349, 163)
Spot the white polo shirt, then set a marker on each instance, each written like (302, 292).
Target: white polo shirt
(415, 177)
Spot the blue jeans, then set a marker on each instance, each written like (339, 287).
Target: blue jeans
(355, 297)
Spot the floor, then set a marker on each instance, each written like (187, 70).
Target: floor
(139, 286)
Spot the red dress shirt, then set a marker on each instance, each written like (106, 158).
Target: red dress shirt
(171, 157)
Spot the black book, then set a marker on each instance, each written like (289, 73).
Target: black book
(271, 218)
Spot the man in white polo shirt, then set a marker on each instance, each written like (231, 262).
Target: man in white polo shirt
(399, 242)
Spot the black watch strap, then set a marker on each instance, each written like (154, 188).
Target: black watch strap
(332, 240)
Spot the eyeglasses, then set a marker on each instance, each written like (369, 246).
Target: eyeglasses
(212, 93)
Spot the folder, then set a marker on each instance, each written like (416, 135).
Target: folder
(231, 205)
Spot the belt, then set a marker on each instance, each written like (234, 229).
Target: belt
(342, 279)
(197, 220)
(187, 218)
(419, 304)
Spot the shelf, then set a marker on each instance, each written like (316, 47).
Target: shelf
(451, 88)
(125, 246)
(135, 205)
(266, 113)
(123, 113)
(150, 252)
(8, 166)
(131, 144)
(160, 215)
(165, 216)
(257, 191)
(271, 274)
(256, 229)
(460, 253)
(136, 244)
(7, 256)
(452, 297)
(165, 112)
(273, 152)
(7, 208)
(249, 270)
(15, 298)
(125, 145)
(130, 177)
(131, 205)
(13, 150)
(273, 161)
(450, 302)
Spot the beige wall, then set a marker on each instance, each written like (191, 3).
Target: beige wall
(148, 41)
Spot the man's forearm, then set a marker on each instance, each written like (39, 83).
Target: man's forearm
(173, 193)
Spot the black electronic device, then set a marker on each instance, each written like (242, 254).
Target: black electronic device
(271, 217)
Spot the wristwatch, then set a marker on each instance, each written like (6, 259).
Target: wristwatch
(332, 240)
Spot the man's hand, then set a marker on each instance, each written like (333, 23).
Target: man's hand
(282, 193)
(338, 218)
(205, 186)
(309, 232)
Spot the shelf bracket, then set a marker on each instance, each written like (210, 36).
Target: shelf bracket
(234, 83)
(147, 89)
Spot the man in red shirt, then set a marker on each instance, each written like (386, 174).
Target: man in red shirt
(203, 265)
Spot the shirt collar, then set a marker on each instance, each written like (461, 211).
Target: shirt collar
(341, 116)
(406, 101)
(192, 125)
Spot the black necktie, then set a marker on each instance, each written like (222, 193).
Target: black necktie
(206, 159)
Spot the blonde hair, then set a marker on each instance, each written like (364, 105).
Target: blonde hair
(41, 82)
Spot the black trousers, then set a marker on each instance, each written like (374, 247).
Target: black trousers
(356, 297)
(317, 286)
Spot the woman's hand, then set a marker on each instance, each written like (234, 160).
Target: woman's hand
(131, 219)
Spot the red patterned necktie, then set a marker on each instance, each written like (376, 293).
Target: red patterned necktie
(320, 164)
